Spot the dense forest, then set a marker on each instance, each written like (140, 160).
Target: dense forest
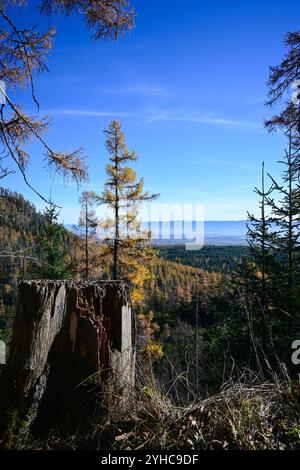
(210, 258)
(214, 332)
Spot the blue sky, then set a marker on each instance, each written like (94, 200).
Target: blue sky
(188, 85)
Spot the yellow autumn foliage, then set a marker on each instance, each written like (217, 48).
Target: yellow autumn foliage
(152, 348)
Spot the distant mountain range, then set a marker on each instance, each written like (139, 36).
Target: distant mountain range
(231, 232)
(215, 232)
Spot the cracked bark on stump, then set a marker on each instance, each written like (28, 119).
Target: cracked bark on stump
(65, 332)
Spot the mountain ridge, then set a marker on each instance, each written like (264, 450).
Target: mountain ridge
(216, 232)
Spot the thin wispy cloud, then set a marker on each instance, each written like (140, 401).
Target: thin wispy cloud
(88, 113)
(159, 116)
(65, 80)
(143, 90)
(198, 118)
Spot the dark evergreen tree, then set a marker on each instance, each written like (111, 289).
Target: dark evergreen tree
(51, 246)
(284, 82)
(271, 274)
(286, 215)
(260, 238)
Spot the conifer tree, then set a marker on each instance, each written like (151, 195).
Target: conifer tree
(284, 82)
(128, 244)
(260, 239)
(88, 223)
(286, 215)
(51, 247)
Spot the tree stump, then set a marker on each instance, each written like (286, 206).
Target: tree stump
(67, 336)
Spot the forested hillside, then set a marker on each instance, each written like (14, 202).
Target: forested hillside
(20, 229)
(21, 226)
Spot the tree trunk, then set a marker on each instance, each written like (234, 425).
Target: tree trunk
(69, 338)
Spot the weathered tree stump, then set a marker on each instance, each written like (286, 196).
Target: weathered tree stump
(65, 332)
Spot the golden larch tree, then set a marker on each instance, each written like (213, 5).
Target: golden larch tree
(127, 244)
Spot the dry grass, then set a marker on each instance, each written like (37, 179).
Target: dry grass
(244, 415)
